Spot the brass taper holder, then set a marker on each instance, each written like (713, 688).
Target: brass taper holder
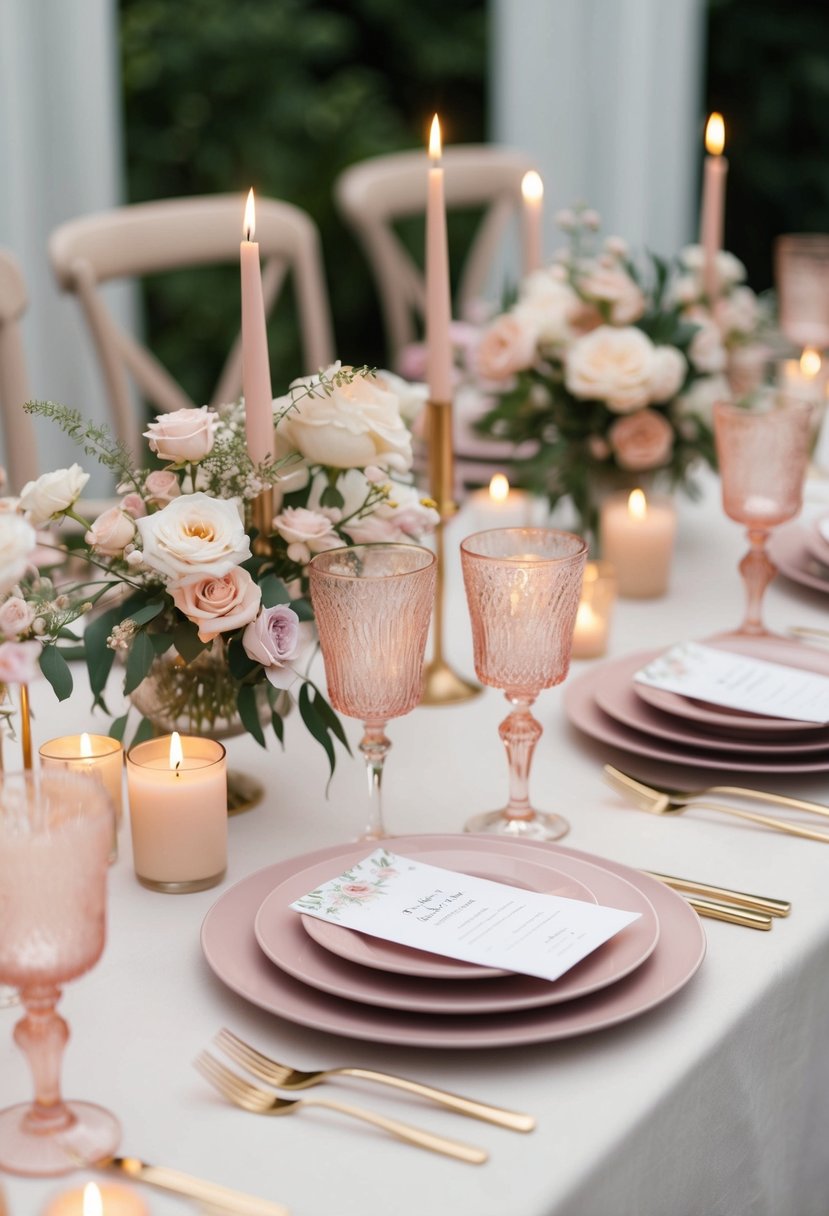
(262, 513)
(442, 685)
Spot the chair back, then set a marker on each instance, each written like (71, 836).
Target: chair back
(18, 430)
(146, 238)
(376, 193)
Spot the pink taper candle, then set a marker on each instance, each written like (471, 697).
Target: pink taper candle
(532, 192)
(256, 372)
(438, 295)
(712, 219)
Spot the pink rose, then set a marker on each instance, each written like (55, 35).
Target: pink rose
(507, 346)
(134, 505)
(643, 440)
(273, 640)
(183, 435)
(111, 532)
(612, 285)
(306, 532)
(357, 890)
(162, 487)
(18, 662)
(218, 605)
(15, 616)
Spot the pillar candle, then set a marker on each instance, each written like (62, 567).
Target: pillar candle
(598, 594)
(97, 1199)
(499, 506)
(712, 217)
(438, 292)
(638, 539)
(256, 372)
(532, 192)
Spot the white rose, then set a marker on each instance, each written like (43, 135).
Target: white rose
(15, 616)
(612, 365)
(349, 427)
(193, 536)
(737, 312)
(411, 397)
(183, 435)
(700, 397)
(668, 374)
(17, 543)
(549, 304)
(111, 532)
(612, 285)
(52, 494)
(730, 269)
(706, 351)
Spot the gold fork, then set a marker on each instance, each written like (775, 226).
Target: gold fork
(283, 1077)
(738, 791)
(262, 1102)
(674, 802)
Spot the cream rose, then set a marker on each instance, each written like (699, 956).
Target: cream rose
(194, 536)
(52, 494)
(306, 532)
(667, 374)
(411, 398)
(643, 440)
(15, 616)
(17, 543)
(700, 398)
(161, 487)
(507, 346)
(348, 425)
(613, 286)
(706, 351)
(219, 604)
(550, 305)
(111, 532)
(611, 365)
(737, 312)
(183, 435)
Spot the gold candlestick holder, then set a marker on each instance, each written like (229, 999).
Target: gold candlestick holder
(25, 727)
(442, 685)
(262, 516)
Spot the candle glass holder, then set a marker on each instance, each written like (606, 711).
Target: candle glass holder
(522, 588)
(103, 761)
(763, 454)
(55, 837)
(801, 265)
(372, 606)
(598, 595)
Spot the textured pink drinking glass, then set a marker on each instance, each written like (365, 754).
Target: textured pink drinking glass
(523, 587)
(55, 839)
(762, 454)
(372, 606)
(801, 265)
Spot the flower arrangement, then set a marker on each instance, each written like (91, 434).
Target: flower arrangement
(596, 363)
(189, 575)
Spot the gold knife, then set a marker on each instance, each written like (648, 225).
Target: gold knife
(715, 910)
(218, 1197)
(757, 903)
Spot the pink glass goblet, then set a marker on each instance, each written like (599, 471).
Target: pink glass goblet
(55, 839)
(523, 587)
(762, 454)
(802, 278)
(372, 605)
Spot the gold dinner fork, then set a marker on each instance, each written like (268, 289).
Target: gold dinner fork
(674, 802)
(262, 1102)
(284, 1077)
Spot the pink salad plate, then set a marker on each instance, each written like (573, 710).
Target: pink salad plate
(281, 936)
(736, 721)
(403, 960)
(232, 952)
(617, 697)
(816, 536)
(792, 550)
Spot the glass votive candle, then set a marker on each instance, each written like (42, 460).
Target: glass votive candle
(598, 595)
(97, 1199)
(177, 789)
(95, 756)
(637, 538)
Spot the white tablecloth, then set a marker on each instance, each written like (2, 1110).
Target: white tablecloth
(716, 1102)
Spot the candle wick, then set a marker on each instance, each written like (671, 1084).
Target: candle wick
(178, 762)
(247, 234)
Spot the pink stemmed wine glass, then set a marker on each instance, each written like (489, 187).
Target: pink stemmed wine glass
(762, 454)
(522, 587)
(55, 839)
(372, 606)
(802, 279)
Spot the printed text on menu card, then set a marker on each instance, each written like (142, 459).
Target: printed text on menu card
(463, 917)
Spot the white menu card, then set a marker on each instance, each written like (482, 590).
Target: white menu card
(739, 682)
(459, 916)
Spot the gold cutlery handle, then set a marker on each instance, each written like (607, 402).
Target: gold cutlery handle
(779, 825)
(403, 1131)
(204, 1192)
(742, 899)
(513, 1120)
(797, 804)
(733, 915)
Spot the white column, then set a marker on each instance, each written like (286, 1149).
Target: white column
(60, 156)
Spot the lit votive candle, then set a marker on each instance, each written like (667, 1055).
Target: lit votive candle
(638, 539)
(598, 595)
(178, 812)
(498, 505)
(95, 756)
(94, 1199)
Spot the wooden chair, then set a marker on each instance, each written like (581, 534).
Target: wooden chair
(373, 194)
(145, 238)
(18, 430)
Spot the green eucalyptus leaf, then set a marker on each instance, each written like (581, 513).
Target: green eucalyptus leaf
(56, 670)
(249, 713)
(139, 662)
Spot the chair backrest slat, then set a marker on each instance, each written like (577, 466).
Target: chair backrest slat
(18, 430)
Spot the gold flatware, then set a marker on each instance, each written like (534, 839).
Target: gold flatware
(283, 1077)
(716, 910)
(738, 791)
(263, 1102)
(741, 899)
(807, 631)
(218, 1198)
(674, 802)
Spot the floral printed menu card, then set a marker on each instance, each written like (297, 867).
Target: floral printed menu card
(738, 682)
(462, 917)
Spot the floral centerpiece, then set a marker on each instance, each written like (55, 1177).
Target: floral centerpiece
(214, 622)
(595, 366)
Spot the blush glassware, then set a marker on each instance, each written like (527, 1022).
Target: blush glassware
(763, 454)
(522, 587)
(801, 266)
(372, 607)
(55, 839)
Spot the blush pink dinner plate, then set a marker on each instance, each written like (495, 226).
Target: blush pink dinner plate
(233, 954)
(281, 936)
(816, 542)
(789, 550)
(402, 960)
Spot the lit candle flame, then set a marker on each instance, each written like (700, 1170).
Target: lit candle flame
(86, 745)
(637, 505)
(249, 225)
(532, 187)
(176, 753)
(715, 135)
(93, 1205)
(435, 146)
(810, 362)
(499, 488)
